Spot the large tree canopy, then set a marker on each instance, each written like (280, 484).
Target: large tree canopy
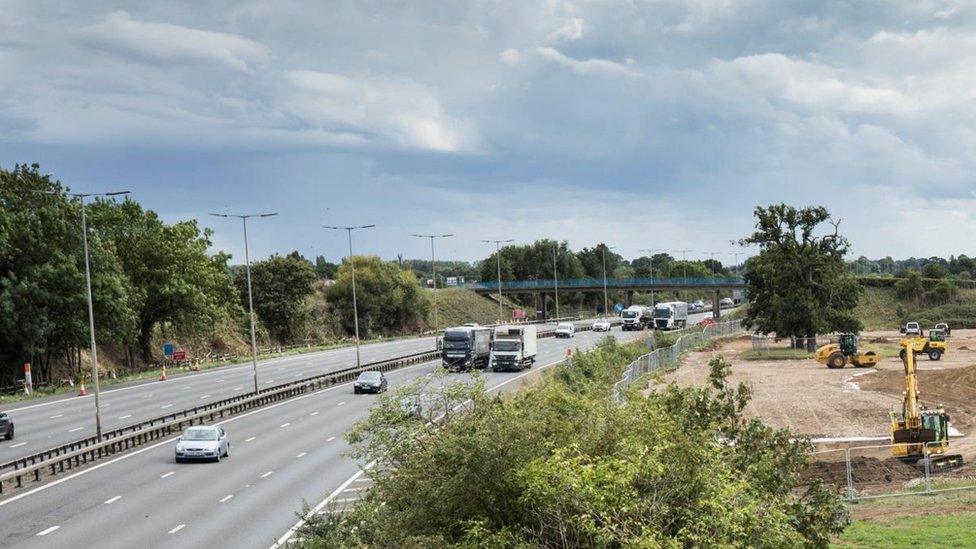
(797, 282)
(280, 285)
(388, 298)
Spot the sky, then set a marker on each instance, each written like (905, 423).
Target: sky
(657, 124)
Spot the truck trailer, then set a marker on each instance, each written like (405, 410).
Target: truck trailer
(466, 347)
(671, 315)
(514, 347)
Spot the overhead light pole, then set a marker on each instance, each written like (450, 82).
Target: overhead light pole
(684, 259)
(498, 261)
(91, 309)
(555, 276)
(433, 268)
(606, 299)
(250, 296)
(352, 268)
(650, 264)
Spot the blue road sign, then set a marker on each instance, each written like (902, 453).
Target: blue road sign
(618, 307)
(168, 349)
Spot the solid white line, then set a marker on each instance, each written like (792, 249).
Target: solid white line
(47, 531)
(110, 501)
(75, 429)
(249, 439)
(127, 416)
(301, 455)
(177, 529)
(168, 474)
(283, 425)
(18, 445)
(268, 474)
(226, 498)
(347, 500)
(163, 407)
(330, 439)
(98, 466)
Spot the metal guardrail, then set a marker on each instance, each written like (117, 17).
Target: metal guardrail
(569, 284)
(656, 359)
(71, 455)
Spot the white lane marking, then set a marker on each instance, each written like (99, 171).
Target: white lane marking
(110, 501)
(47, 531)
(364, 479)
(206, 396)
(237, 388)
(226, 498)
(347, 500)
(18, 445)
(270, 381)
(301, 455)
(330, 439)
(175, 438)
(56, 417)
(360, 489)
(341, 403)
(75, 429)
(164, 406)
(291, 531)
(283, 425)
(298, 375)
(314, 413)
(168, 474)
(268, 474)
(220, 380)
(249, 439)
(127, 416)
(177, 529)
(150, 395)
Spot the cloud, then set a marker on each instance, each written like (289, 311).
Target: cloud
(120, 34)
(588, 67)
(572, 29)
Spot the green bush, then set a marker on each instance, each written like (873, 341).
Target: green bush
(559, 465)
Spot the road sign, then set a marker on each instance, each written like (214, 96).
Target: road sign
(518, 313)
(618, 307)
(179, 355)
(168, 349)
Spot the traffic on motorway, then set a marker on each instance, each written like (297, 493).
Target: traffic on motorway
(284, 454)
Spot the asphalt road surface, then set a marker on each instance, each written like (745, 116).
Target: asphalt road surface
(282, 456)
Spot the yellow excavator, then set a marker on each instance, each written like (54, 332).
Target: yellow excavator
(836, 355)
(920, 435)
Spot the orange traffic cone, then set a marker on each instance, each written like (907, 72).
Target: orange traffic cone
(163, 377)
(82, 392)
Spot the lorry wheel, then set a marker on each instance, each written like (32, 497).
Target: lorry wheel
(835, 361)
(935, 354)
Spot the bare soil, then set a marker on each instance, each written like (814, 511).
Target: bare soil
(813, 400)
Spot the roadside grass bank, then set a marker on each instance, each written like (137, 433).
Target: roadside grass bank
(946, 519)
(881, 309)
(557, 464)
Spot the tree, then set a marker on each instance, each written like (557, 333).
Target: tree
(325, 269)
(797, 284)
(910, 287)
(935, 270)
(389, 299)
(280, 286)
(175, 281)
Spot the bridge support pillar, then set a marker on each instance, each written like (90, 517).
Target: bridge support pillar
(716, 308)
(541, 305)
(630, 297)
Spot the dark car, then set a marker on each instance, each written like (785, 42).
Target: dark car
(370, 381)
(6, 426)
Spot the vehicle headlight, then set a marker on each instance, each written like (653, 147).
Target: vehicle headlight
(179, 447)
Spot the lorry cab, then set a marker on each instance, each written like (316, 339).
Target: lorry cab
(513, 348)
(466, 347)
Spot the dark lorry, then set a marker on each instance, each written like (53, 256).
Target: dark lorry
(466, 347)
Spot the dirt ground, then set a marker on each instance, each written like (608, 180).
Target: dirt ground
(813, 400)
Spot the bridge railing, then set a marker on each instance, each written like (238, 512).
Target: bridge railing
(614, 283)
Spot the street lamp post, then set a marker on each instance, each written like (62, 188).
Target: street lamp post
(250, 296)
(684, 260)
(498, 260)
(555, 276)
(91, 310)
(352, 268)
(433, 268)
(650, 264)
(606, 300)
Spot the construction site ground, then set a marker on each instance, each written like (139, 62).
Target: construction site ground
(813, 400)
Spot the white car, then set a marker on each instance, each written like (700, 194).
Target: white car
(565, 329)
(202, 442)
(602, 325)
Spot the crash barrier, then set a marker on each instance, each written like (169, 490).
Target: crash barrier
(865, 472)
(658, 358)
(57, 460)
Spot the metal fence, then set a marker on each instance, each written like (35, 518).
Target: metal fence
(786, 347)
(569, 284)
(658, 358)
(872, 471)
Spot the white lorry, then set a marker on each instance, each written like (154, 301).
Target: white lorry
(671, 315)
(636, 317)
(513, 348)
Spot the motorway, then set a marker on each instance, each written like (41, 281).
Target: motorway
(282, 455)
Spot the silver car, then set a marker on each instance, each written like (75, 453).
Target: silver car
(202, 442)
